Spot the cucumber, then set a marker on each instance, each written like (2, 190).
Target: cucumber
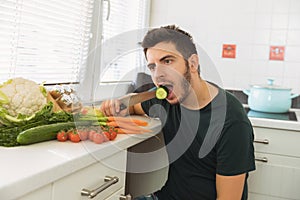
(161, 92)
(45, 132)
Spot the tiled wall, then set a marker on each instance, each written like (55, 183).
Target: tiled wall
(252, 25)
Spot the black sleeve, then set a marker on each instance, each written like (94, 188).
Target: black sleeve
(235, 151)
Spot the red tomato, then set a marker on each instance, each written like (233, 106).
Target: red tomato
(98, 138)
(91, 135)
(74, 136)
(83, 134)
(106, 134)
(62, 136)
(84, 111)
(113, 135)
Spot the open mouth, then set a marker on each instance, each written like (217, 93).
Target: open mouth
(169, 89)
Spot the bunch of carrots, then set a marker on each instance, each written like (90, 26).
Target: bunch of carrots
(123, 125)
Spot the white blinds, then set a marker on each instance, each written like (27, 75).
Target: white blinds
(44, 40)
(121, 33)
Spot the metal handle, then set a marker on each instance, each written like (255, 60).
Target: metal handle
(108, 9)
(262, 141)
(125, 197)
(108, 182)
(263, 159)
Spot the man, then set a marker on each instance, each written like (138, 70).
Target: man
(208, 136)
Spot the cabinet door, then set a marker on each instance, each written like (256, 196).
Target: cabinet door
(279, 177)
(92, 177)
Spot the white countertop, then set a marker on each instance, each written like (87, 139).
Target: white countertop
(278, 124)
(26, 168)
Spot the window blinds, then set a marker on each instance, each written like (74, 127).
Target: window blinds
(121, 54)
(44, 40)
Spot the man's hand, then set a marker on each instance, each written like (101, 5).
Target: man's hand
(112, 107)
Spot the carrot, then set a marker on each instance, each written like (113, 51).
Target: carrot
(127, 126)
(127, 131)
(112, 123)
(120, 130)
(128, 120)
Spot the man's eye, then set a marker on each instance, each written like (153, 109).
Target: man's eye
(168, 61)
(151, 67)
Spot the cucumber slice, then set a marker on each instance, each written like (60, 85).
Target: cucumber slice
(161, 92)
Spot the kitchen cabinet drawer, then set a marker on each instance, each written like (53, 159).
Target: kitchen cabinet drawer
(117, 195)
(277, 141)
(69, 188)
(278, 177)
(253, 196)
(41, 193)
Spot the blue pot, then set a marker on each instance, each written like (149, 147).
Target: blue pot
(269, 98)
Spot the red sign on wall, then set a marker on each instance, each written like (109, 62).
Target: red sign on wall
(277, 53)
(229, 51)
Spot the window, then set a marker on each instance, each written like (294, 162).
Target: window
(49, 40)
(123, 28)
(42, 40)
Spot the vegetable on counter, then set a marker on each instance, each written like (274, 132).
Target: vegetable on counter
(9, 133)
(62, 136)
(21, 96)
(121, 124)
(42, 133)
(24, 105)
(95, 134)
(74, 136)
(30, 114)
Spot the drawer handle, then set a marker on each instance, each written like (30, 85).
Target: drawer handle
(125, 197)
(263, 141)
(108, 182)
(263, 159)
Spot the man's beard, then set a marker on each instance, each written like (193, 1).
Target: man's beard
(185, 83)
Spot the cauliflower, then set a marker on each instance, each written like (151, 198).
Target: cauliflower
(22, 96)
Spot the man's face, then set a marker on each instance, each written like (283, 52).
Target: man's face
(169, 68)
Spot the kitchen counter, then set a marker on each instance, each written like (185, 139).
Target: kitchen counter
(27, 168)
(277, 124)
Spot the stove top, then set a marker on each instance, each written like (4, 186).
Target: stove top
(289, 116)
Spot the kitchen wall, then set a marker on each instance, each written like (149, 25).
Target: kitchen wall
(252, 25)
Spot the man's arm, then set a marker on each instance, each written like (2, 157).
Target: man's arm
(230, 187)
(136, 109)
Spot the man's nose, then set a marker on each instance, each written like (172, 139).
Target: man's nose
(160, 71)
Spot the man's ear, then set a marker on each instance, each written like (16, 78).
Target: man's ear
(194, 62)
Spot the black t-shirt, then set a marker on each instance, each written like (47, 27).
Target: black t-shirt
(217, 139)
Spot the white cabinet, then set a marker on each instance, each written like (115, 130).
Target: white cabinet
(252, 196)
(277, 174)
(41, 193)
(92, 177)
(116, 195)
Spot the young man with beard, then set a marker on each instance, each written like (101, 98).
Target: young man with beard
(208, 136)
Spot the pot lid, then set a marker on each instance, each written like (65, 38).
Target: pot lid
(271, 85)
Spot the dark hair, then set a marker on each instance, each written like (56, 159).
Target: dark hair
(182, 40)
